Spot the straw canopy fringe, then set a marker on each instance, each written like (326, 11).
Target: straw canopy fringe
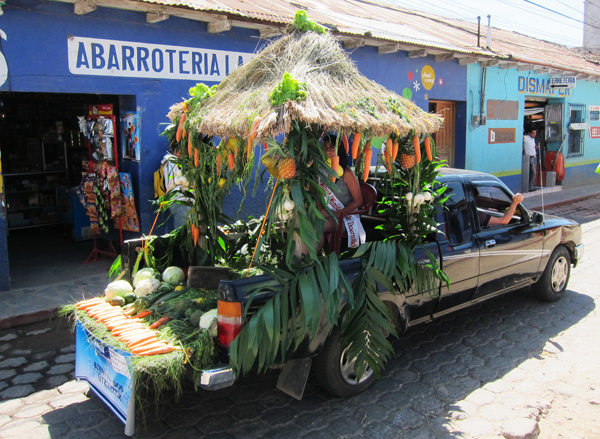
(338, 95)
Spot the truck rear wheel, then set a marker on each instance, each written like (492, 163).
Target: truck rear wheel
(336, 373)
(553, 283)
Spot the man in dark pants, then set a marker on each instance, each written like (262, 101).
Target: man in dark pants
(529, 149)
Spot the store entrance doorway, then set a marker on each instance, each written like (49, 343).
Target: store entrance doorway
(42, 150)
(445, 137)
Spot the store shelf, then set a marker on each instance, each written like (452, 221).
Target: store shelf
(35, 225)
(32, 190)
(13, 209)
(58, 171)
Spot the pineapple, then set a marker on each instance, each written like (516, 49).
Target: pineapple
(286, 167)
(407, 160)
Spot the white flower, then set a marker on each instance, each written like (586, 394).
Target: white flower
(419, 199)
(408, 196)
(427, 196)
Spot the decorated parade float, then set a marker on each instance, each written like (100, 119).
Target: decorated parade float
(157, 323)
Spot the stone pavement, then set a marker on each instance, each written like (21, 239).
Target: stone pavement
(508, 367)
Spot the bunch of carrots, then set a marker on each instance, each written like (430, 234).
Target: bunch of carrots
(140, 340)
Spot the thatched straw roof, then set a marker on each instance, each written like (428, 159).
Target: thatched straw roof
(335, 89)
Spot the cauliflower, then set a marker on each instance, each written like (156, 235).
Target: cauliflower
(146, 287)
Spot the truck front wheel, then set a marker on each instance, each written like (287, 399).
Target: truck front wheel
(553, 283)
(335, 372)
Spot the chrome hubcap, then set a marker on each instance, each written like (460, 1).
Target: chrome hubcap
(347, 370)
(560, 272)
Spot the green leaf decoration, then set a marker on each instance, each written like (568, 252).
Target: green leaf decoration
(303, 22)
(288, 89)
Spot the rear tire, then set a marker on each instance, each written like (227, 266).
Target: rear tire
(553, 283)
(335, 373)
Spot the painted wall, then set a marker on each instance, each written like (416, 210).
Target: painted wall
(152, 66)
(504, 159)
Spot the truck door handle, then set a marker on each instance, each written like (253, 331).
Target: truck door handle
(491, 243)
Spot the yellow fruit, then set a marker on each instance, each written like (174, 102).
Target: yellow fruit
(286, 167)
(179, 288)
(273, 171)
(407, 161)
(222, 181)
(269, 161)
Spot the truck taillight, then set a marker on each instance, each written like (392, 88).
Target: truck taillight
(229, 321)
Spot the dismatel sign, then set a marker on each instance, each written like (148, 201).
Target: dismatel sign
(563, 82)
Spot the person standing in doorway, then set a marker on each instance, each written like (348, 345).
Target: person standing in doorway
(529, 149)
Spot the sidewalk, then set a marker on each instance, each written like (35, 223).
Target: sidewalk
(552, 197)
(22, 306)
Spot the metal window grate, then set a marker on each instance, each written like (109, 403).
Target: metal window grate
(576, 137)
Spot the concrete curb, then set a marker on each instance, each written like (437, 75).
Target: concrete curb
(26, 319)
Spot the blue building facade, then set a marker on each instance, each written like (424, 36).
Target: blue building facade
(510, 95)
(147, 67)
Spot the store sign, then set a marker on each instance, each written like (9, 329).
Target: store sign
(594, 113)
(595, 132)
(563, 82)
(502, 135)
(535, 86)
(97, 57)
(502, 110)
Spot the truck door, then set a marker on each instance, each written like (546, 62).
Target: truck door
(509, 254)
(460, 251)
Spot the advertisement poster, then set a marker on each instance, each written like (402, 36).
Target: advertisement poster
(106, 370)
(129, 221)
(130, 137)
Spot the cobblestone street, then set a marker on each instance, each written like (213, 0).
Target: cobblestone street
(507, 367)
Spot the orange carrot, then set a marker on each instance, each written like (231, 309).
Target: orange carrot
(389, 146)
(355, 144)
(159, 322)
(180, 127)
(255, 127)
(394, 151)
(249, 146)
(89, 302)
(154, 345)
(388, 153)
(190, 146)
(266, 146)
(142, 314)
(368, 155)
(196, 158)
(218, 164)
(417, 148)
(345, 142)
(123, 332)
(148, 342)
(335, 164)
(195, 234)
(134, 339)
(428, 148)
(158, 351)
(230, 161)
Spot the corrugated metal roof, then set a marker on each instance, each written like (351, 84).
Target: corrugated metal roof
(394, 24)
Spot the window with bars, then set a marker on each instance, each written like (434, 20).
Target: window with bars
(576, 136)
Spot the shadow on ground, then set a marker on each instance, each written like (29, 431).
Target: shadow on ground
(436, 365)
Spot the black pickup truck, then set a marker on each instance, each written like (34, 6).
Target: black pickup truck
(481, 262)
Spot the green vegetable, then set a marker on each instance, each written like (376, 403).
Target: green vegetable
(173, 276)
(303, 22)
(288, 89)
(182, 305)
(195, 318)
(117, 288)
(189, 312)
(129, 298)
(117, 301)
